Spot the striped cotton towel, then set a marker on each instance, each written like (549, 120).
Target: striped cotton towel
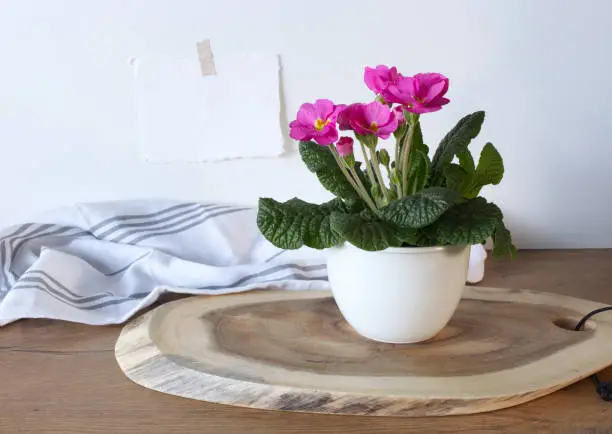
(100, 263)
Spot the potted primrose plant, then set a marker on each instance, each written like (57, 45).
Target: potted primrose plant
(398, 232)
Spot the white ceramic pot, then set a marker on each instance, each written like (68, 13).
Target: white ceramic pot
(398, 295)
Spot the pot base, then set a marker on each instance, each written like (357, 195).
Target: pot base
(394, 342)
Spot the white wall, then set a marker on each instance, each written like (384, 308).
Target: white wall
(540, 68)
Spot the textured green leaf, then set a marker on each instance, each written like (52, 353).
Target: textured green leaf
(490, 170)
(502, 242)
(470, 222)
(466, 161)
(456, 177)
(424, 149)
(420, 209)
(295, 223)
(454, 143)
(336, 183)
(414, 237)
(419, 172)
(417, 139)
(320, 160)
(417, 142)
(416, 147)
(317, 157)
(364, 231)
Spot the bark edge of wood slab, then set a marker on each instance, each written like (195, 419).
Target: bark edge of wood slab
(285, 350)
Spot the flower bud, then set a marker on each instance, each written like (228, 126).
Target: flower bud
(376, 192)
(349, 161)
(392, 195)
(400, 131)
(395, 176)
(345, 146)
(383, 157)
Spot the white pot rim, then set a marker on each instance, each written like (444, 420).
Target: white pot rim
(406, 250)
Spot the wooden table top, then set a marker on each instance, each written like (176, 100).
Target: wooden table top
(61, 377)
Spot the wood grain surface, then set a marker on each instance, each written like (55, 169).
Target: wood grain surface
(280, 350)
(58, 377)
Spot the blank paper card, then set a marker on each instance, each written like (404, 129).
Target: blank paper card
(186, 117)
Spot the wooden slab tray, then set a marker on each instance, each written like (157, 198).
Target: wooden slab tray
(293, 351)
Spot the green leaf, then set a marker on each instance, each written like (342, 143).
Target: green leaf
(490, 170)
(418, 172)
(502, 242)
(416, 148)
(454, 143)
(336, 183)
(466, 161)
(319, 159)
(417, 140)
(470, 222)
(295, 223)
(414, 237)
(424, 149)
(420, 209)
(456, 177)
(364, 231)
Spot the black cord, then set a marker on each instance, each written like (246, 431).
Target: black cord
(603, 388)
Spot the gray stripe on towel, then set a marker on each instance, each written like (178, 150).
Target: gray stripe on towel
(60, 296)
(148, 222)
(125, 217)
(44, 278)
(133, 297)
(189, 226)
(141, 295)
(4, 253)
(18, 230)
(13, 245)
(191, 214)
(49, 284)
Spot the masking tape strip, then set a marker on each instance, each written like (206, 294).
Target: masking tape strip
(207, 62)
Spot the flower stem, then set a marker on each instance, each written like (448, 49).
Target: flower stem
(397, 154)
(368, 166)
(405, 154)
(360, 191)
(356, 175)
(376, 166)
(398, 146)
(391, 183)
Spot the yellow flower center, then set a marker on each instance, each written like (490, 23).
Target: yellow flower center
(374, 127)
(320, 123)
